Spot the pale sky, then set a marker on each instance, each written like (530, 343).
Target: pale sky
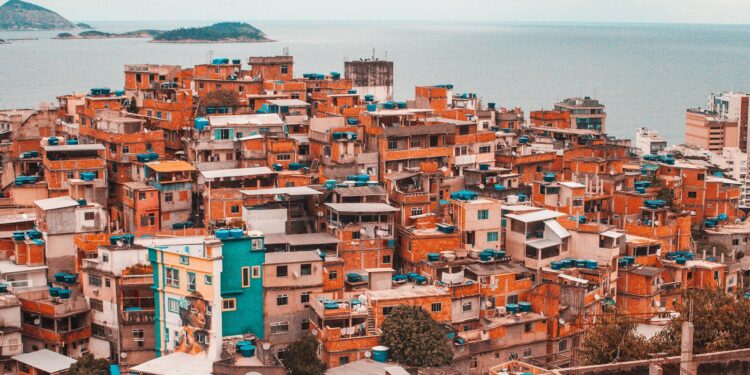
(647, 11)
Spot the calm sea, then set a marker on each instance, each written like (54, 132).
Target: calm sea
(647, 75)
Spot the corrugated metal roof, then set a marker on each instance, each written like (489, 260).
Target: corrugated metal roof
(56, 203)
(237, 172)
(292, 257)
(46, 360)
(554, 226)
(291, 191)
(69, 148)
(536, 216)
(360, 191)
(171, 166)
(289, 103)
(265, 119)
(361, 207)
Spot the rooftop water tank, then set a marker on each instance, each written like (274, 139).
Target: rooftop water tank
(380, 353)
(511, 308)
(64, 293)
(236, 233)
(222, 234)
(201, 123)
(372, 107)
(433, 257)
(524, 306)
(87, 176)
(592, 264)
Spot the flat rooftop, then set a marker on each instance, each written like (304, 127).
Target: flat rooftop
(406, 292)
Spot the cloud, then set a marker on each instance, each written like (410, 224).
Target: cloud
(683, 11)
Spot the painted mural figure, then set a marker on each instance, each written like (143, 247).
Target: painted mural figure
(195, 313)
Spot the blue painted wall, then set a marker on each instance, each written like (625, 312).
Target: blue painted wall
(248, 315)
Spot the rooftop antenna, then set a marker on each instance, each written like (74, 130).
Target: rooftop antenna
(209, 56)
(373, 54)
(285, 51)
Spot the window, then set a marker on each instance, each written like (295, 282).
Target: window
(282, 300)
(191, 281)
(344, 359)
(563, 346)
(386, 259)
(169, 197)
(512, 299)
(138, 334)
(577, 202)
(173, 305)
(172, 277)
(284, 157)
(484, 149)
(735, 242)
(692, 194)
(416, 143)
(98, 330)
(229, 304)
(208, 279)
(245, 277)
(305, 325)
(256, 272)
(279, 328)
(96, 304)
(304, 297)
(95, 280)
(392, 144)
(141, 196)
(333, 275)
(107, 283)
(467, 306)
(88, 216)
(463, 150)
(105, 259)
(387, 310)
(305, 269)
(474, 363)
(701, 177)
(235, 209)
(70, 174)
(483, 214)
(282, 271)
(184, 259)
(492, 236)
(416, 211)
(527, 352)
(284, 69)
(437, 307)
(223, 133)
(527, 327)
(126, 149)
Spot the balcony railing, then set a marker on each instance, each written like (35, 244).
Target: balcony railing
(138, 316)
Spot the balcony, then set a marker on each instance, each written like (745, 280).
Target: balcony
(137, 280)
(57, 307)
(464, 290)
(411, 197)
(335, 340)
(343, 309)
(57, 337)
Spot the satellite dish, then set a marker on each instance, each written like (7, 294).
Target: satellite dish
(123, 355)
(266, 346)
(597, 297)
(37, 321)
(368, 354)
(488, 303)
(314, 331)
(444, 169)
(120, 243)
(561, 321)
(481, 186)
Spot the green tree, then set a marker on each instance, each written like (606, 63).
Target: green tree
(613, 339)
(301, 357)
(721, 321)
(88, 365)
(220, 98)
(666, 194)
(415, 339)
(132, 105)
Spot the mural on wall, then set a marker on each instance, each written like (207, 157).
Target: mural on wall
(195, 314)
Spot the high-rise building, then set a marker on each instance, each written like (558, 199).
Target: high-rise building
(648, 141)
(734, 106)
(709, 130)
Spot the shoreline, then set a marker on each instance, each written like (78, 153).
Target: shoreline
(198, 41)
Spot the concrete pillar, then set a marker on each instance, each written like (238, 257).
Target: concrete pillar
(687, 365)
(654, 369)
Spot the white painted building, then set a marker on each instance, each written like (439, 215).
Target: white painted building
(648, 141)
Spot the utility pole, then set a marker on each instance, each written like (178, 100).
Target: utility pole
(687, 365)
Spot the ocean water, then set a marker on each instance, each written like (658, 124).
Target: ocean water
(647, 75)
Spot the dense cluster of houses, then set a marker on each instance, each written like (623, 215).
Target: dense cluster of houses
(202, 219)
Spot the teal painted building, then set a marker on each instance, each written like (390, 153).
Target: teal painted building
(242, 283)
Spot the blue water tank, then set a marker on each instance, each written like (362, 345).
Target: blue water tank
(380, 353)
(372, 107)
(64, 293)
(71, 142)
(433, 257)
(53, 141)
(524, 306)
(556, 265)
(592, 264)
(511, 308)
(201, 123)
(54, 292)
(236, 233)
(222, 234)
(87, 176)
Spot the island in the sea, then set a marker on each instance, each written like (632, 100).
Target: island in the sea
(228, 32)
(20, 15)
(224, 32)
